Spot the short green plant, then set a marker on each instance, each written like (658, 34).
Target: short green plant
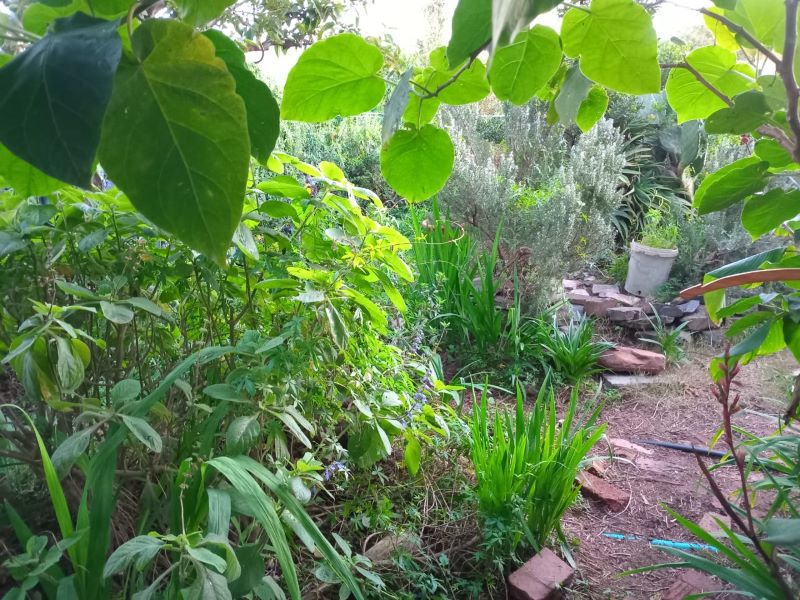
(525, 465)
(667, 339)
(659, 232)
(570, 351)
(618, 269)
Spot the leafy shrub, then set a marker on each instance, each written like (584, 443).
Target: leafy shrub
(658, 232)
(525, 466)
(666, 338)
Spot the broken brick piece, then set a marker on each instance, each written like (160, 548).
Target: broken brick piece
(598, 307)
(541, 578)
(689, 583)
(628, 449)
(598, 489)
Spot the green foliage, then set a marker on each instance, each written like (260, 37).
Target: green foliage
(658, 232)
(417, 162)
(667, 339)
(570, 351)
(525, 465)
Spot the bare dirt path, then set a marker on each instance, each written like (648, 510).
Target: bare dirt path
(680, 409)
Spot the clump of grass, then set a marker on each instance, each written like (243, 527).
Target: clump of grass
(668, 340)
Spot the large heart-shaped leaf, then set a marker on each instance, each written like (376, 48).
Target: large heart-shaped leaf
(263, 114)
(764, 212)
(53, 96)
(337, 76)
(521, 69)
(731, 184)
(175, 136)
(417, 162)
(200, 12)
(616, 43)
(26, 179)
(749, 111)
(692, 99)
(509, 17)
(472, 28)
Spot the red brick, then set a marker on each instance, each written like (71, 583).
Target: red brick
(541, 578)
(598, 489)
(599, 307)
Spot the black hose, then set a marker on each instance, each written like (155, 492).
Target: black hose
(686, 448)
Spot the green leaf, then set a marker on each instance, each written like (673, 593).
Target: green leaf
(242, 433)
(71, 449)
(62, 84)
(471, 29)
(413, 455)
(69, 367)
(138, 551)
(592, 108)
(418, 110)
(574, 92)
(771, 151)
(753, 341)
(731, 184)
(417, 162)
(143, 432)
(521, 69)
(749, 111)
(124, 391)
(175, 136)
(616, 43)
(319, 88)
(224, 391)
(783, 532)
(690, 98)
(470, 85)
(207, 557)
(11, 242)
(199, 12)
(244, 240)
(337, 326)
(209, 585)
(26, 179)
(791, 336)
(764, 19)
(396, 106)
(764, 212)
(509, 17)
(263, 114)
(116, 313)
(285, 186)
(146, 305)
(253, 568)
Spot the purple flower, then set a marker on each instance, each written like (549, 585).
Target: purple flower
(331, 470)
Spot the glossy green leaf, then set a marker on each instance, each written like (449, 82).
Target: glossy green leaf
(62, 84)
(471, 29)
(319, 88)
(175, 136)
(209, 585)
(750, 110)
(143, 432)
(26, 179)
(764, 212)
(616, 44)
(731, 184)
(71, 449)
(419, 110)
(244, 240)
(574, 91)
(417, 162)
(263, 114)
(199, 12)
(592, 108)
(764, 19)
(208, 558)
(124, 391)
(39, 16)
(521, 69)
(690, 98)
(773, 89)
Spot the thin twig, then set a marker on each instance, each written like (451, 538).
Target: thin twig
(738, 29)
(700, 78)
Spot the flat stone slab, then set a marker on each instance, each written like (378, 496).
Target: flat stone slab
(689, 307)
(571, 284)
(625, 313)
(605, 289)
(579, 296)
(669, 311)
(541, 578)
(699, 321)
(628, 449)
(626, 359)
(598, 489)
(598, 307)
(710, 524)
(689, 583)
(623, 381)
(624, 299)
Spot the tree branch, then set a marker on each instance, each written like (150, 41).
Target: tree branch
(458, 73)
(700, 78)
(786, 71)
(738, 29)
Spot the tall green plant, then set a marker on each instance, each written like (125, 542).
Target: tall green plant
(530, 461)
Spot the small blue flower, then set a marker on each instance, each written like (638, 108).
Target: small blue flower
(331, 470)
